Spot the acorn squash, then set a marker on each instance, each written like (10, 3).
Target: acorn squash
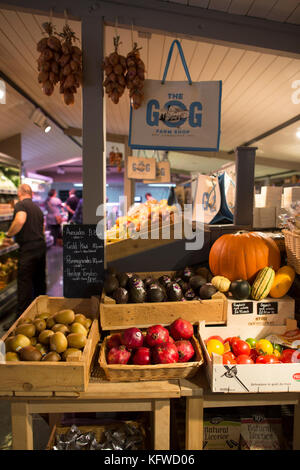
(240, 289)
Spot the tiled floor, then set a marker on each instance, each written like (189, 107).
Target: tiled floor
(54, 288)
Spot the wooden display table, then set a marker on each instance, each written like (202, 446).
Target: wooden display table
(199, 396)
(101, 396)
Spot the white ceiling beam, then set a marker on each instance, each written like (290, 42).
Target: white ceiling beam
(194, 22)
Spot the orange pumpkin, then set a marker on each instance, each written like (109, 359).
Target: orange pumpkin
(242, 255)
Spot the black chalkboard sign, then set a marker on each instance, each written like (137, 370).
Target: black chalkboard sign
(267, 308)
(242, 308)
(83, 261)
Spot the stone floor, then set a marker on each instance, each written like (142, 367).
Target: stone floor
(54, 288)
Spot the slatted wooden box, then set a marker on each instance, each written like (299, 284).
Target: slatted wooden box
(118, 316)
(45, 378)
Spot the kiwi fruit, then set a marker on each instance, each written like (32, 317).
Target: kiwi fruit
(43, 316)
(30, 353)
(41, 347)
(78, 328)
(52, 356)
(76, 340)
(26, 329)
(79, 318)
(58, 342)
(11, 357)
(50, 322)
(18, 342)
(70, 351)
(44, 336)
(62, 328)
(33, 341)
(39, 324)
(64, 316)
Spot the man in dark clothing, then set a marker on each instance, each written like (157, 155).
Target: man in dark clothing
(28, 229)
(71, 204)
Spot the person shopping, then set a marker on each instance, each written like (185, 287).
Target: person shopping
(71, 204)
(28, 229)
(54, 217)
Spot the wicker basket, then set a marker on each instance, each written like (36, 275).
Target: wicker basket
(133, 373)
(292, 244)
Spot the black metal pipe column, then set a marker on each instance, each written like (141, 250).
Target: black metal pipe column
(244, 192)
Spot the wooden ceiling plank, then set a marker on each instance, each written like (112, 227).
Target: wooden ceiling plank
(221, 5)
(294, 17)
(199, 3)
(261, 8)
(240, 7)
(215, 57)
(282, 10)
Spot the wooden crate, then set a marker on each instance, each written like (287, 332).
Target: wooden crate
(133, 373)
(34, 378)
(97, 430)
(117, 316)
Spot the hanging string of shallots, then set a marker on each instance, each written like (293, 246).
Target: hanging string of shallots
(60, 61)
(114, 66)
(135, 76)
(70, 76)
(49, 59)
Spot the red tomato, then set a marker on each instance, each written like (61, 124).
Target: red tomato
(229, 358)
(286, 355)
(260, 359)
(271, 359)
(240, 347)
(253, 354)
(244, 359)
(215, 337)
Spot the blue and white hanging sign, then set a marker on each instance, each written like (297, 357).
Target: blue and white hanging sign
(177, 115)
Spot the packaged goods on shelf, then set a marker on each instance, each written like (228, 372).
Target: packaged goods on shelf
(221, 431)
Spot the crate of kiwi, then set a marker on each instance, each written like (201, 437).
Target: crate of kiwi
(147, 298)
(50, 347)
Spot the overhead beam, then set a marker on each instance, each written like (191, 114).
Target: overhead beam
(193, 22)
(265, 161)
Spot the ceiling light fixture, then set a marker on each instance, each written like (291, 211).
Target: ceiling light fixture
(2, 92)
(40, 120)
(298, 134)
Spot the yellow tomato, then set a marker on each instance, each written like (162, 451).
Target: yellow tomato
(277, 353)
(215, 346)
(263, 346)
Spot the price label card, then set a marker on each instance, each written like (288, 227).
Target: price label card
(242, 308)
(83, 261)
(267, 308)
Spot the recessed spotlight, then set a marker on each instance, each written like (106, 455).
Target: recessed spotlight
(298, 134)
(47, 128)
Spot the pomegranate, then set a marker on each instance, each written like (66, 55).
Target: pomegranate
(171, 340)
(185, 350)
(181, 329)
(165, 353)
(118, 355)
(142, 357)
(132, 338)
(157, 334)
(114, 341)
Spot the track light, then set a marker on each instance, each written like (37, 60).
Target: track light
(40, 120)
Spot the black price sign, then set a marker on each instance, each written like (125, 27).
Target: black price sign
(83, 261)
(267, 308)
(242, 308)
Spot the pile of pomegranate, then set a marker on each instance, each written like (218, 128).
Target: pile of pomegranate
(158, 345)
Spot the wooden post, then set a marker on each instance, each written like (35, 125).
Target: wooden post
(129, 184)
(21, 422)
(93, 119)
(244, 193)
(161, 424)
(194, 423)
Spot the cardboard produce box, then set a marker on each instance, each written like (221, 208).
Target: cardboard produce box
(252, 378)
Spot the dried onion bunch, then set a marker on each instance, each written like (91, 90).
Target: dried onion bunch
(114, 67)
(135, 76)
(48, 61)
(70, 75)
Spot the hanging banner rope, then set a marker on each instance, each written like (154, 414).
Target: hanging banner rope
(177, 115)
